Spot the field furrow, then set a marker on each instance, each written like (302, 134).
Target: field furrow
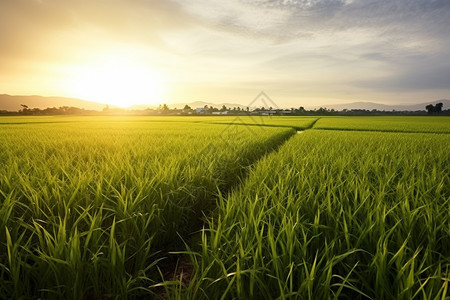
(414, 124)
(113, 207)
(87, 209)
(358, 215)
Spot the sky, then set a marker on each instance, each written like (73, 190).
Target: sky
(300, 52)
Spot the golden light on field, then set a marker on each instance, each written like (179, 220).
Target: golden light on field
(117, 81)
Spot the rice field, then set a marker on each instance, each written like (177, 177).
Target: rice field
(298, 123)
(109, 207)
(333, 215)
(386, 123)
(88, 208)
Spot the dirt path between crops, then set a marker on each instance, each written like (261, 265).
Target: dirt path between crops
(180, 267)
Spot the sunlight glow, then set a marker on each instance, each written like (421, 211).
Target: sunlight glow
(118, 82)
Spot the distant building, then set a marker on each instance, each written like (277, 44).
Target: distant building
(220, 112)
(268, 112)
(200, 110)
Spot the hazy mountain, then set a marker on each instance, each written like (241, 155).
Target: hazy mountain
(381, 107)
(141, 107)
(12, 103)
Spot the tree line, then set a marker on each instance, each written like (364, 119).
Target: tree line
(434, 109)
(210, 110)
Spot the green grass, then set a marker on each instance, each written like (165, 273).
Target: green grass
(108, 119)
(386, 123)
(89, 208)
(299, 123)
(97, 207)
(333, 215)
(258, 121)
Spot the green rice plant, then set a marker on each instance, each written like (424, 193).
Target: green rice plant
(359, 215)
(299, 123)
(433, 124)
(90, 207)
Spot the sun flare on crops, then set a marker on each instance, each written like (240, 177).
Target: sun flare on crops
(118, 82)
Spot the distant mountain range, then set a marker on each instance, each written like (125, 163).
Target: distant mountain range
(12, 103)
(381, 107)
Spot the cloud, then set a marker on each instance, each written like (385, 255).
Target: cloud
(305, 47)
(30, 28)
(286, 20)
(425, 73)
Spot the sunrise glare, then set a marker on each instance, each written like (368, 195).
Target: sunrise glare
(116, 81)
(300, 52)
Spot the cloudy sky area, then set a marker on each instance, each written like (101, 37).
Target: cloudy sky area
(300, 52)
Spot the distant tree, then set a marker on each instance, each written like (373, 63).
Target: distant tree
(322, 110)
(430, 108)
(187, 107)
(224, 108)
(438, 107)
(25, 110)
(165, 108)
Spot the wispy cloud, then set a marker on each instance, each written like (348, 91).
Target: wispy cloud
(214, 49)
(295, 18)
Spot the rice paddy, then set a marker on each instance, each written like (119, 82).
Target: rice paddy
(98, 207)
(386, 123)
(330, 215)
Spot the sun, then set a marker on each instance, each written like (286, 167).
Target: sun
(117, 81)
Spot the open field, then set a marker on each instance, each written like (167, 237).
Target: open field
(299, 123)
(332, 214)
(259, 121)
(93, 207)
(86, 207)
(389, 124)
